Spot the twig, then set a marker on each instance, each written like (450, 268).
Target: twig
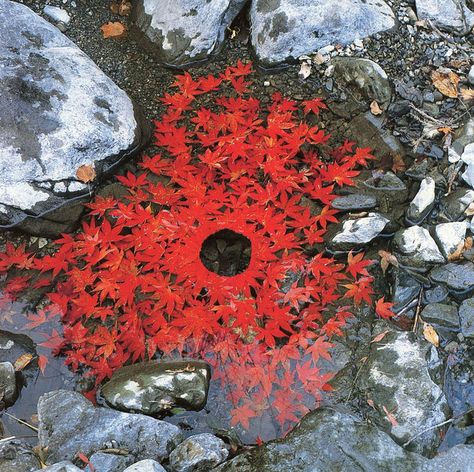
(418, 309)
(22, 422)
(454, 418)
(355, 380)
(7, 439)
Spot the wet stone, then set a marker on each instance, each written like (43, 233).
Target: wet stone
(396, 377)
(456, 203)
(105, 461)
(157, 386)
(437, 294)
(405, 290)
(198, 453)
(441, 314)
(8, 390)
(416, 247)
(147, 465)
(458, 277)
(466, 315)
(354, 202)
(58, 111)
(63, 466)
(283, 29)
(450, 237)
(449, 15)
(464, 137)
(387, 185)
(183, 32)
(423, 202)
(17, 456)
(356, 233)
(69, 423)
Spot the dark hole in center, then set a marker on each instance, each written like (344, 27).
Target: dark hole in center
(226, 252)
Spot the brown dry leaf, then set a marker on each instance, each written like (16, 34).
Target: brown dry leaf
(86, 173)
(379, 337)
(398, 164)
(445, 130)
(430, 334)
(390, 417)
(125, 8)
(457, 254)
(387, 259)
(375, 108)
(446, 81)
(467, 94)
(23, 361)
(115, 30)
(34, 419)
(370, 402)
(468, 243)
(469, 211)
(114, 7)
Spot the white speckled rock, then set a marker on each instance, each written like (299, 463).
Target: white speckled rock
(450, 236)
(450, 15)
(283, 29)
(396, 377)
(359, 232)
(57, 14)
(423, 202)
(147, 465)
(181, 32)
(198, 453)
(63, 466)
(58, 111)
(417, 247)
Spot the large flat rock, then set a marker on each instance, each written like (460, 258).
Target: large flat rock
(58, 112)
(284, 29)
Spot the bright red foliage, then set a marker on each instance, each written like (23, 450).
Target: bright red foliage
(132, 284)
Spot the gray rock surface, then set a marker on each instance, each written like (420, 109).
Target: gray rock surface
(464, 137)
(458, 277)
(354, 202)
(366, 76)
(450, 237)
(470, 76)
(198, 453)
(387, 186)
(63, 466)
(466, 315)
(105, 461)
(57, 14)
(396, 379)
(449, 15)
(147, 465)
(327, 440)
(182, 32)
(457, 202)
(441, 314)
(423, 202)
(359, 232)
(58, 111)
(69, 423)
(417, 247)
(17, 456)
(8, 390)
(156, 386)
(283, 29)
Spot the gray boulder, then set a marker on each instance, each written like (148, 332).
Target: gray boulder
(441, 314)
(416, 247)
(387, 186)
(457, 277)
(105, 461)
(423, 202)
(8, 390)
(17, 456)
(466, 315)
(147, 465)
(356, 233)
(450, 15)
(356, 201)
(63, 466)
(58, 112)
(69, 423)
(198, 453)
(183, 32)
(157, 386)
(283, 29)
(327, 440)
(396, 379)
(450, 237)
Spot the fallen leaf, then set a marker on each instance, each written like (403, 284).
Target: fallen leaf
(387, 259)
(430, 334)
(446, 81)
(22, 361)
(86, 173)
(469, 211)
(457, 254)
(390, 417)
(421, 24)
(467, 94)
(375, 108)
(398, 164)
(115, 30)
(114, 7)
(379, 337)
(125, 8)
(305, 71)
(370, 402)
(34, 419)
(445, 130)
(468, 243)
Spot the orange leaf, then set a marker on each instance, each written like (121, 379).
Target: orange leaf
(379, 337)
(430, 334)
(115, 30)
(86, 173)
(42, 361)
(390, 417)
(384, 309)
(23, 361)
(446, 81)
